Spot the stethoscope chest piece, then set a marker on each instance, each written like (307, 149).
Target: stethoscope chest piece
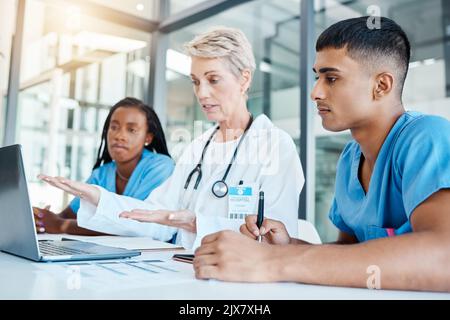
(220, 189)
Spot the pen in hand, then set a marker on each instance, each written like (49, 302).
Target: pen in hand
(260, 217)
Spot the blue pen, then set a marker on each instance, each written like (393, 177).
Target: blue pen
(260, 218)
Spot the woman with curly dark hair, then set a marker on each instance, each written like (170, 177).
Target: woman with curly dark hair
(132, 160)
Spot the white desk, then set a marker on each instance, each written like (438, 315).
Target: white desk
(19, 280)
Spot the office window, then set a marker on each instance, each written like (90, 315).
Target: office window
(74, 67)
(8, 11)
(427, 87)
(140, 8)
(272, 28)
(180, 5)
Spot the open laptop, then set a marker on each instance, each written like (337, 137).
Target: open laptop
(17, 226)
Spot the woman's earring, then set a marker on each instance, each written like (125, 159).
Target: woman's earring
(146, 144)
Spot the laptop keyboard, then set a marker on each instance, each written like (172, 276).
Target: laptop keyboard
(49, 249)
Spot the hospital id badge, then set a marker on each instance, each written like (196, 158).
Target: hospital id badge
(242, 201)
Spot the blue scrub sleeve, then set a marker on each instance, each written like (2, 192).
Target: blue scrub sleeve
(336, 218)
(423, 161)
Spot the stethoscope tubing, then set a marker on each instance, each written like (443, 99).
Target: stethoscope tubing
(198, 167)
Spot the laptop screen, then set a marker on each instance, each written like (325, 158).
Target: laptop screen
(17, 228)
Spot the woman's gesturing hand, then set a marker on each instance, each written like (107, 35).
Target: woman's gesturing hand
(82, 190)
(183, 219)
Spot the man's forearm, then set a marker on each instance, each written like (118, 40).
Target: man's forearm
(416, 261)
(298, 241)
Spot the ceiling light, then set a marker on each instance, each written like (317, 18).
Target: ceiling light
(265, 67)
(99, 41)
(429, 62)
(415, 64)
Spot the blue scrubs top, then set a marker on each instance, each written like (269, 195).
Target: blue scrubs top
(413, 163)
(151, 171)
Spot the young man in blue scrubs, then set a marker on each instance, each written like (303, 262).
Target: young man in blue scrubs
(392, 199)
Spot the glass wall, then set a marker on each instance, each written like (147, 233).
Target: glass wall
(426, 88)
(272, 28)
(74, 67)
(8, 10)
(180, 5)
(141, 8)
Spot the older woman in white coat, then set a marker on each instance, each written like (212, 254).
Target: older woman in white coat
(217, 179)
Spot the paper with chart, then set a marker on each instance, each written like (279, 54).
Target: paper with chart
(114, 275)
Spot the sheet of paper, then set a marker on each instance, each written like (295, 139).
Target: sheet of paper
(130, 243)
(116, 275)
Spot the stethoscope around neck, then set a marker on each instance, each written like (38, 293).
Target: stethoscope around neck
(220, 187)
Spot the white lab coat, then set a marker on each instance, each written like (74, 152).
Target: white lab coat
(267, 158)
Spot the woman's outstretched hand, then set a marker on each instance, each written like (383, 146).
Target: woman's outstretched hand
(183, 219)
(82, 190)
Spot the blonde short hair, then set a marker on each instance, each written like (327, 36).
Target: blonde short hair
(222, 42)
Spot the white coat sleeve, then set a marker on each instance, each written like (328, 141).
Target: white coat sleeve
(105, 216)
(282, 183)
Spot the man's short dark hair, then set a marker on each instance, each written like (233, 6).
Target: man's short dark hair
(371, 46)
